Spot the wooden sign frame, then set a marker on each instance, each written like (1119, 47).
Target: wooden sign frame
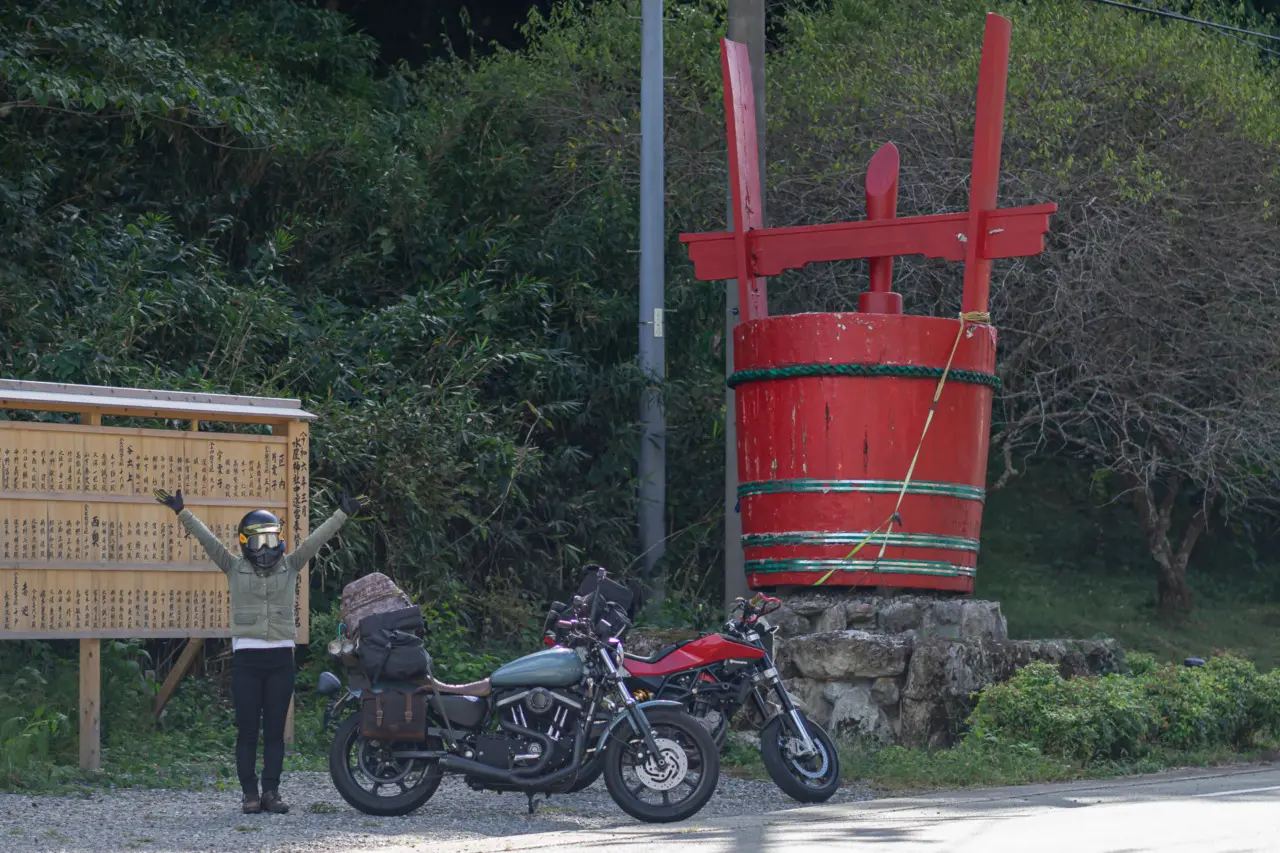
(87, 553)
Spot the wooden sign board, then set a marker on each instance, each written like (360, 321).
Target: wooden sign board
(86, 551)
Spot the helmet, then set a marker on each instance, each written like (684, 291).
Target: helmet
(260, 539)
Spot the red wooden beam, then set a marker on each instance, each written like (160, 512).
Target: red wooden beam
(882, 204)
(984, 177)
(983, 234)
(744, 175)
(1010, 233)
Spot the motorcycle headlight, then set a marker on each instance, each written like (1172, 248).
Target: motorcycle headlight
(329, 684)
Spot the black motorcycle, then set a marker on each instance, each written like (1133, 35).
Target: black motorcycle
(536, 725)
(715, 676)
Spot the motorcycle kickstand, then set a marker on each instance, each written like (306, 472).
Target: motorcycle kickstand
(531, 795)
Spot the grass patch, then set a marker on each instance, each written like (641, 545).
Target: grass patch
(897, 770)
(1064, 563)
(322, 808)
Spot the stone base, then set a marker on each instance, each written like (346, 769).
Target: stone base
(917, 691)
(899, 668)
(810, 611)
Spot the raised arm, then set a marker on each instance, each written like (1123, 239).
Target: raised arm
(212, 544)
(312, 544)
(322, 534)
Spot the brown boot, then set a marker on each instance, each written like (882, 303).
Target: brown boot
(251, 804)
(271, 802)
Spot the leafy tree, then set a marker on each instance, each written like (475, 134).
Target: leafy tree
(233, 195)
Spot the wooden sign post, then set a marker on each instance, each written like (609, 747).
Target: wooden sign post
(87, 553)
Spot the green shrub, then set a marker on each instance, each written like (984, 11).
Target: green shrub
(1225, 703)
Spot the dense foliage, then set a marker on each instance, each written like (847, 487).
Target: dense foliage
(1225, 703)
(233, 195)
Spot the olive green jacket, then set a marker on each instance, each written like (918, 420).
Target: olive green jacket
(262, 602)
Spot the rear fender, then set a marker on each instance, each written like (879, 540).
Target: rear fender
(623, 716)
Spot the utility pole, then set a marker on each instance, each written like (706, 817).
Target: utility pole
(746, 25)
(653, 442)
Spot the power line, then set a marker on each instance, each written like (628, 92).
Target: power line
(1221, 29)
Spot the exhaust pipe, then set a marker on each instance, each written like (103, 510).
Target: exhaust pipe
(470, 767)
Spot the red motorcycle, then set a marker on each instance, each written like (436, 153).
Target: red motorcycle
(716, 675)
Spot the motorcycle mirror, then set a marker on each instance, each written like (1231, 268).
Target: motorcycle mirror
(329, 684)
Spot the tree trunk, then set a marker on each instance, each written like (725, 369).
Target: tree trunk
(1173, 593)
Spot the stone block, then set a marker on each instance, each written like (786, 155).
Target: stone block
(982, 620)
(886, 692)
(854, 711)
(859, 614)
(897, 616)
(813, 603)
(790, 623)
(846, 655)
(831, 619)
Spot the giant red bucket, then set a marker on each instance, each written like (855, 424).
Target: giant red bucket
(830, 410)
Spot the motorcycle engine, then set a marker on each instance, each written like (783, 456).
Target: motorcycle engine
(553, 714)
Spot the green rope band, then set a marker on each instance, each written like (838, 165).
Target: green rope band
(902, 540)
(885, 567)
(872, 487)
(873, 371)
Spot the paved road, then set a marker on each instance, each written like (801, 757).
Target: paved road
(1222, 811)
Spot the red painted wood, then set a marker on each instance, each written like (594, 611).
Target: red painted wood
(882, 204)
(1013, 233)
(854, 428)
(984, 180)
(861, 428)
(744, 175)
(865, 579)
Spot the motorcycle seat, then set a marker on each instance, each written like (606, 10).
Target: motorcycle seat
(660, 653)
(478, 689)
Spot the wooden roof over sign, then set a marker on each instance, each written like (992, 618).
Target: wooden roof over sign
(146, 403)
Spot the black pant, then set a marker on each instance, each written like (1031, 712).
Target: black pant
(261, 688)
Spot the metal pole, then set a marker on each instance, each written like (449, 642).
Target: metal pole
(746, 25)
(653, 444)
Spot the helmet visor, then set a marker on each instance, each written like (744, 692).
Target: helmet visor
(260, 541)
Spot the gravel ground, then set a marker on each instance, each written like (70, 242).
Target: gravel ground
(169, 821)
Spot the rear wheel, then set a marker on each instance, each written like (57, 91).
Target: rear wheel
(375, 782)
(675, 790)
(810, 778)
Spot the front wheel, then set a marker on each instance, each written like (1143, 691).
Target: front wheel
(395, 786)
(808, 778)
(676, 790)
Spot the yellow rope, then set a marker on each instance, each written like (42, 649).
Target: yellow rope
(886, 527)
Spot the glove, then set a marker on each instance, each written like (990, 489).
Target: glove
(352, 505)
(173, 502)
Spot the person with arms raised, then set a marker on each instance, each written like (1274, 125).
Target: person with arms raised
(263, 634)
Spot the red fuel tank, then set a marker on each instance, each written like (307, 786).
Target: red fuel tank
(700, 652)
(830, 411)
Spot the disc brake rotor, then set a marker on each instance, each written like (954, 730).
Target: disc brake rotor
(796, 758)
(673, 771)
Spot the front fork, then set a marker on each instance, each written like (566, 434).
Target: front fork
(766, 679)
(638, 719)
